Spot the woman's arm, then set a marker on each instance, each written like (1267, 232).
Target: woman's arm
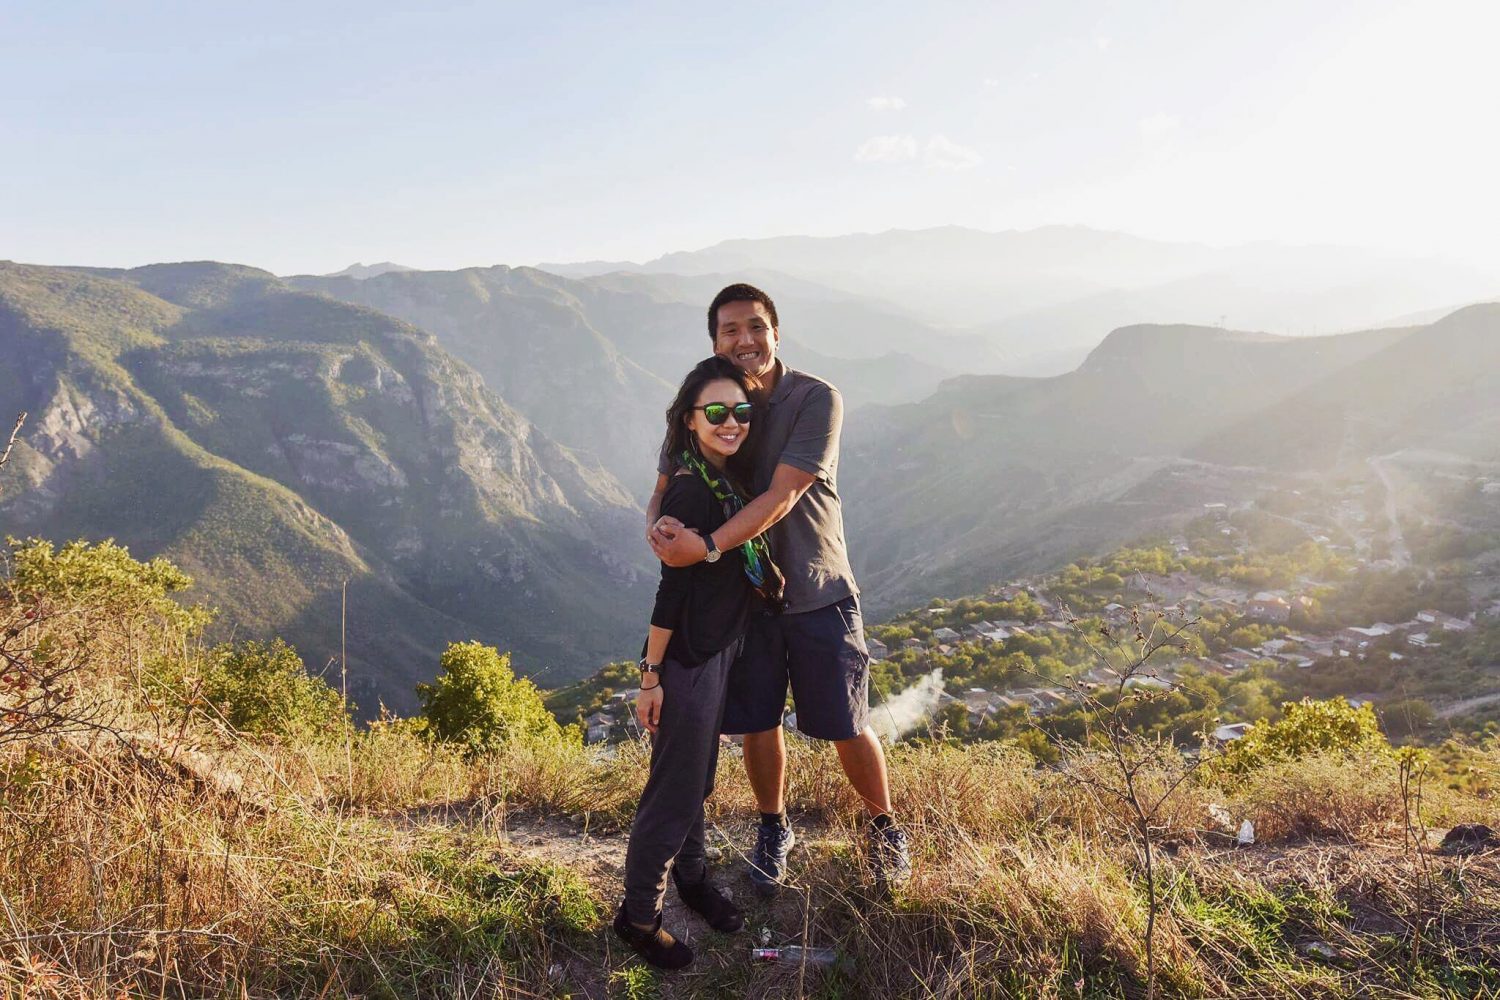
(679, 500)
(648, 700)
(653, 506)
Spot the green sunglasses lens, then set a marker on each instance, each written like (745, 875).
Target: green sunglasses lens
(717, 413)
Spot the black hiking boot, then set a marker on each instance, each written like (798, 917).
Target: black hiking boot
(705, 899)
(656, 946)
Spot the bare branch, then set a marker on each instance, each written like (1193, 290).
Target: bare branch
(14, 431)
(1131, 756)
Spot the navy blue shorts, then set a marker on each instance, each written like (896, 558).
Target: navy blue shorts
(821, 654)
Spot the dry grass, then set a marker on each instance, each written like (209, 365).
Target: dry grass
(120, 871)
(162, 854)
(120, 878)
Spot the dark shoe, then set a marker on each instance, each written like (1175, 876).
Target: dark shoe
(773, 843)
(705, 899)
(889, 854)
(655, 945)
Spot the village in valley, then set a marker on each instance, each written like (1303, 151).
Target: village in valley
(1302, 592)
(1178, 598)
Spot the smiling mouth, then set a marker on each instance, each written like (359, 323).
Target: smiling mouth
(747, 356)
(731, 438)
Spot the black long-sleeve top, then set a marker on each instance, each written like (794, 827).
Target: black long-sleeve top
(706, 605)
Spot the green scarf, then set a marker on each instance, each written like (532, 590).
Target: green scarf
(757, 551)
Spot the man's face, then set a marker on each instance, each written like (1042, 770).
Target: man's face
(746, 337)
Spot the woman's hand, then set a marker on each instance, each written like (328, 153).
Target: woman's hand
(664, 528)
(648, 706)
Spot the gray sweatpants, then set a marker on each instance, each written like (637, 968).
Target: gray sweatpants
(668, 827)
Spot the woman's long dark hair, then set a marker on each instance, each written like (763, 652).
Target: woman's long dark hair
(680, 437)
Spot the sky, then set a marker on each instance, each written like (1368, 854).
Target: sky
(304, 137)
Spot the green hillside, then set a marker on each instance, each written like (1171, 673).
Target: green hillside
(277, 443)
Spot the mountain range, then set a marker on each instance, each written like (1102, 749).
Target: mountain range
(276, 443)
(594, 362)
(470, 449)
(1016, 474)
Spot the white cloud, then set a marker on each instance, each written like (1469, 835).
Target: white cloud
(991, 83)
(1159, 125)
(885, 103)
(938, 153)
(887, 148)
(942, 153)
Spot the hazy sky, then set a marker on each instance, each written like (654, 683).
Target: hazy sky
(301, 137)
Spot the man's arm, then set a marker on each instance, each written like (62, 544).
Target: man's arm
(685, 548)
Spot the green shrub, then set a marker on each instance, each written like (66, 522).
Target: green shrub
(265, 690)
(104, 576)
(1307, 728)
(1407, 716)
(478, 701)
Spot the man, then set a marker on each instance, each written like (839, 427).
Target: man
(817, 645)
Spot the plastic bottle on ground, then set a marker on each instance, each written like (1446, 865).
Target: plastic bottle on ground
(795, 954)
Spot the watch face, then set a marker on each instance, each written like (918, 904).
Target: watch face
(713, 556)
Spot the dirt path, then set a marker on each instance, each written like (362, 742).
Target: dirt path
(1468, 704)
(1400, 554)
(723, 959)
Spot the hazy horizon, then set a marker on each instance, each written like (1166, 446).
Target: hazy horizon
(305, 140)
(540, 264)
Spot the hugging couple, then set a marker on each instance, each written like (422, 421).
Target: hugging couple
(756, 594)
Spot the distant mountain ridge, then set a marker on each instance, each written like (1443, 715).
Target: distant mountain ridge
(1002, 475)
(1039, 299)
(1434, 387)
(362, 271)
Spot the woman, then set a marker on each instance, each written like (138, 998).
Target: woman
(696, 630)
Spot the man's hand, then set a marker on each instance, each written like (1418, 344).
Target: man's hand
(675, 545)
(648, 706)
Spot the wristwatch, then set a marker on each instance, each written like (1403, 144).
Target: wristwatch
(713, 550)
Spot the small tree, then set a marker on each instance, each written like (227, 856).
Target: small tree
(478, 701)
(265, 690)
(1116, 765)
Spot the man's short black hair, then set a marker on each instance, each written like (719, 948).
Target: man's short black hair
(738, 293)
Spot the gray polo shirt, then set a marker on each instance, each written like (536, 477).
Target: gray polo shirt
(800, 427)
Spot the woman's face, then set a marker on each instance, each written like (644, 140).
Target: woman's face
(718, 442)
